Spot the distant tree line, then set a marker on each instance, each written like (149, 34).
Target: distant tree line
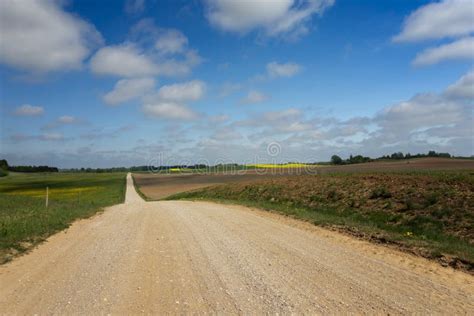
(135, 168)
(32, 169)
(96, 170)
(400, 155)
(5, 167)
(336, 160)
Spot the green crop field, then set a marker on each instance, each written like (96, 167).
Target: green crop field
(24, 218)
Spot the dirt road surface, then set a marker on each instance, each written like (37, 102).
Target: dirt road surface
(189, 257)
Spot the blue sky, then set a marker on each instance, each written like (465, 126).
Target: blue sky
(120, 83)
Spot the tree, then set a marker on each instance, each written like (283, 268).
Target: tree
(336, 160)
(398, 155)
(3, 164)
(360, 159)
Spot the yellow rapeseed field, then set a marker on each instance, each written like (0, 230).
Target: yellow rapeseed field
(56, 192)
(180, 170)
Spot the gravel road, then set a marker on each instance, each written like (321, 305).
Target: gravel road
(197, 257)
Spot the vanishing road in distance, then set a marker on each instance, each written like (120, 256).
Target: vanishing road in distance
(199, 257)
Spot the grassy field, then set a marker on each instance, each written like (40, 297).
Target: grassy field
(24, 219)
(430, 213)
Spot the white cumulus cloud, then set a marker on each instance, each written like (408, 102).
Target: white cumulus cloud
(187, 91)
(448, 18)
(39, 36)
(62, 121)
(275, 69)
(123, 60)
(29, 110)
(148, 51)
(463, 88)
(421, 111)
(254, 97)
(274, 17)
(171, 42)
(451, 19)
(170, 110)
(67, 119)
(460, 49)
(128, 89)
(169, 101)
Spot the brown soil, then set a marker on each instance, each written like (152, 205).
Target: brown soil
(406, 165)
(158, 186)
(441, 203)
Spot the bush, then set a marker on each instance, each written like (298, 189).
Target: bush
(333, 195)
(380, 192)
(431, 199)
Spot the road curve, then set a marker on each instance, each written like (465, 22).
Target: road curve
(196, 257)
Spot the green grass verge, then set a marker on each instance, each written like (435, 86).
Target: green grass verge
(428, 213)
(24, 218)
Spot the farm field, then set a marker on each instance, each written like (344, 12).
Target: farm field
(282, 166)
(417, 164)
(160, 185)
(24, 219)
(415, 206)
(430, 213)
